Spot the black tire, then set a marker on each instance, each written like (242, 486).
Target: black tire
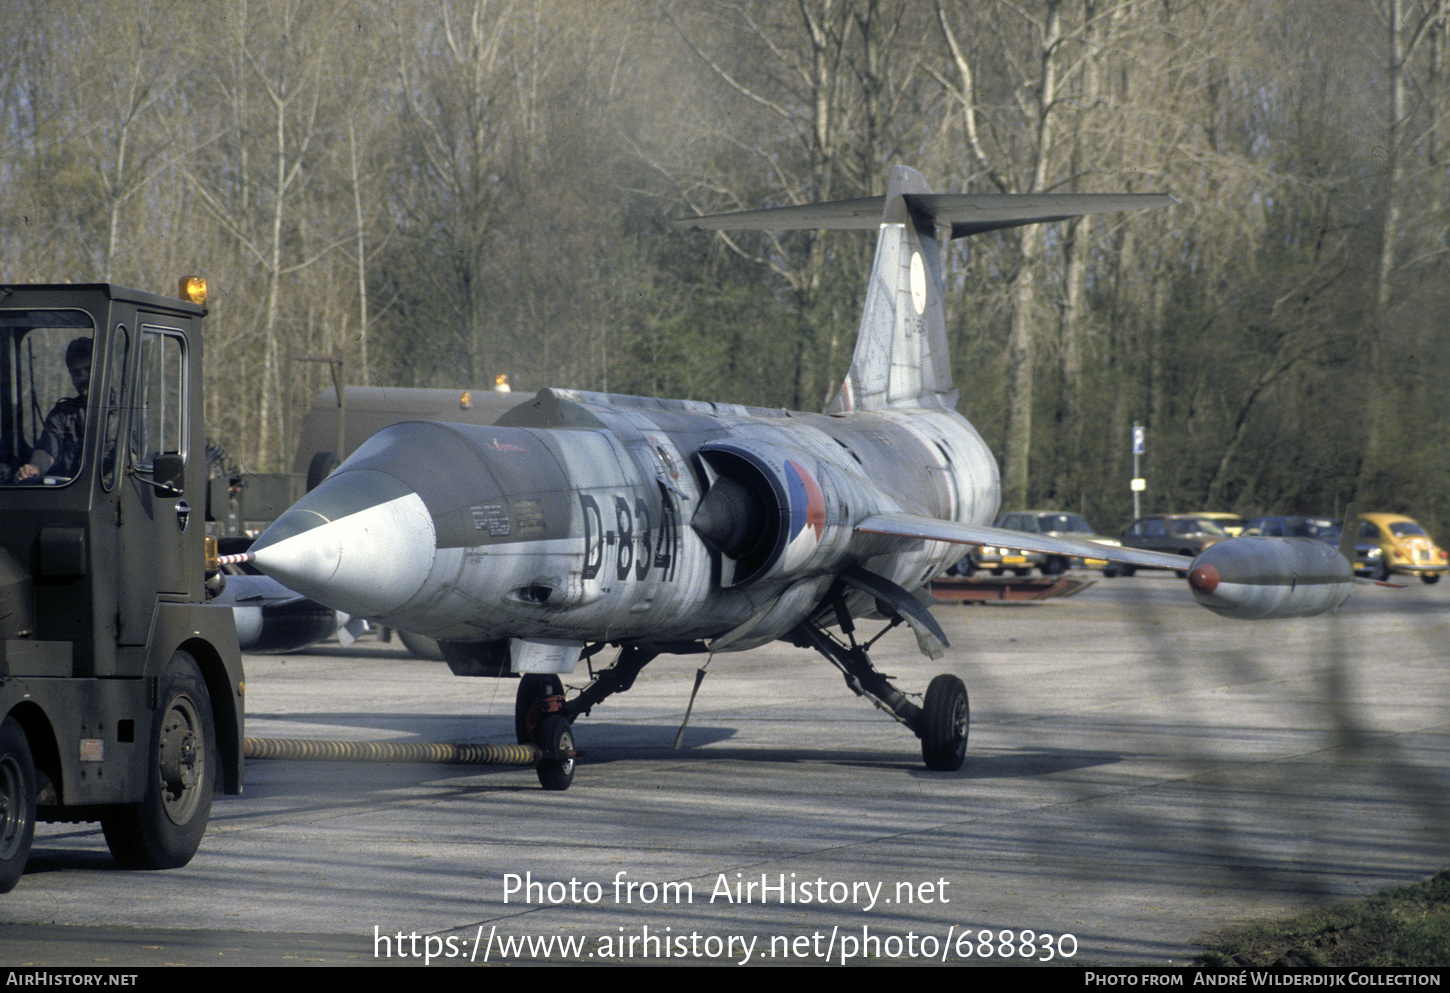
(1111, 572)
(555, 735)
(945, 719)
(532, 688)
(17, 794)
(1382, 572)
(1054, 566)
(164, 830)
(320, 468)
(1127, 570)
(1429, 578)
(421, 646)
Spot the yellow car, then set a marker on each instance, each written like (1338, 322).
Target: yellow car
(1406, 548)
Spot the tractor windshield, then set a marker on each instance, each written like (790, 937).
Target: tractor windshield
(45, 377)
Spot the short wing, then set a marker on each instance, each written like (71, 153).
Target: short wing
(931, 529)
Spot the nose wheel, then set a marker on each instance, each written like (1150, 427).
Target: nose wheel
(538, 696)
(556, 741)
(543, 717)
(539, 720)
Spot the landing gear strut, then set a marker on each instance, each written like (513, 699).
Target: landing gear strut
(543, 717)
(616, 679)
(941, 722)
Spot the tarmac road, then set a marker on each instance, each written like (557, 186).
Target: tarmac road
(1140, 772)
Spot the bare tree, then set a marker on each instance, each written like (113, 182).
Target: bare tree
(1023, 167)
(831, 77)
(457, 81)
(276, 75)
(1411, 29)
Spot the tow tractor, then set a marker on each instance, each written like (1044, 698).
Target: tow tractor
(120, 688)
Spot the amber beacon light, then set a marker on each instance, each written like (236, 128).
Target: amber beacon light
(193, 288)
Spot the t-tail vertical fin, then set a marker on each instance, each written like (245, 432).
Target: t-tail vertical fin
(901, 355)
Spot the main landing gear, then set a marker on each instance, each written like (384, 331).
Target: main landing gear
(940, 721)
(544, 718)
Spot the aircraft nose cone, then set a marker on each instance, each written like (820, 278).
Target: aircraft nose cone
(362, 542)
(299, 548)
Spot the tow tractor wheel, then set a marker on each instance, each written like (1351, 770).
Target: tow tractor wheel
(164, 830)
(533, 687)
(945, 717)
(17, 803)
(555, 736)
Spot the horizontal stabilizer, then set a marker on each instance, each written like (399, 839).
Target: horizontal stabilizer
(932, 529)
(901, 357)
(965, 213)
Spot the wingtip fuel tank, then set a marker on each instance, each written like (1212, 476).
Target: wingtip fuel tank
(1257, 578)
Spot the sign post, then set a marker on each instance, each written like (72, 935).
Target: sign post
(1138, 484)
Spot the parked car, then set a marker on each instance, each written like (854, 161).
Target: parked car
(1405, 547)
(1181, 534)
(1323, 528)
(999, 559)
(1232, 524)
(1060, 524)
(1367, 554)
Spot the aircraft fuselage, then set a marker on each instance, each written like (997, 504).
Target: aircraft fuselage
(579, 517)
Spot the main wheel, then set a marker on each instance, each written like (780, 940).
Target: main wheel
(555, 735)
(164, 830)
(1429, 578)
(17, 803)
(945, 716)
(532, 688)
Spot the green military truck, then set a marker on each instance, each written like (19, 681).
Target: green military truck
(120, 688)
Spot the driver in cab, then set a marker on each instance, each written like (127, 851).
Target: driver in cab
(58, 450)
